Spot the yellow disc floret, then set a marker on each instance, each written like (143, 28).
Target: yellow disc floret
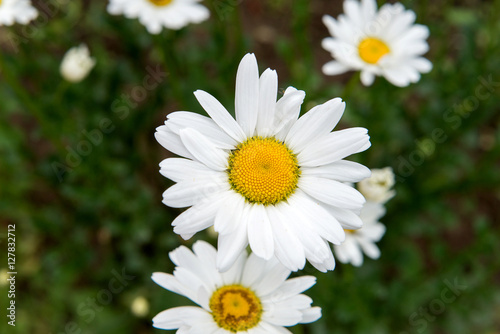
(263, 170)
(235, 308)
(161, 3)
(372, 49)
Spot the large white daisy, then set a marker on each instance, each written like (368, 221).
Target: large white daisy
(268, 179)
(253, 296)
(363, 240)
(20, 11)
(155, 14)
(377, 43)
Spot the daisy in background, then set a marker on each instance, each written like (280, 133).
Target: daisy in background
(378, 187)
(253, 296)
(377, 43)
(267, 179)
(155, 14)
(76, 64)
(377, 191)
(20, 11)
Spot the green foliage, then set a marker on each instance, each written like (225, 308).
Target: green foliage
(81, 219)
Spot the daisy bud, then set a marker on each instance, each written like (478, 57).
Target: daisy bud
(77, 64)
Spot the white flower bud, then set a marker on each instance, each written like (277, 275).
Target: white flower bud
(77, 64)
(377, 188)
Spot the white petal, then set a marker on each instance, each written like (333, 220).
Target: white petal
(328, 264)
(332, 192)
(323, 223)
(178, 169)
(198, 217)
(229, 215)
(353, 12)
(343, 171)
(282, 316)
(369, 9)
(267, 102)
(347, 218)
(310, 315)
(291, 287)
(287, 111)
(171, 142)
(370, 249)
(204, 150)
(396, 77)
(189, 192)
(288, 248)
(233, 275)
(334, 68)
(232, 244)
(178, 316)
(318, 122)
(421, 64)
(247, 94)
(367, 78)
(334, 147)
(220, 115)
(182, 119)
(260, 234)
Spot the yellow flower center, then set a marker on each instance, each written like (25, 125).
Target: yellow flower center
(350, 231)
(372, 49)
(263, 170)
(235, 308)
(159, 3)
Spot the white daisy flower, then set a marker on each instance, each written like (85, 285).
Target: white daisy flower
(155, 14)
(377, 43)
(377, 188)
(363, 240)
(20, 11)
(253, 297)
(76, 64)
(268, 179)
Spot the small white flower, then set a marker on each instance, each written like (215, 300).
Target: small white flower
(364, 239)
(155, 14)
(377, 43)
(253, 296)
(77, 64)
(377, 188)
(140, 306)
(20, 11)
(268, 179)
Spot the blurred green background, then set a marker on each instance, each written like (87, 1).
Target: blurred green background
(78, 226)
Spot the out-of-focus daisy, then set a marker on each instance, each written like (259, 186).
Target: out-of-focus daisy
(253, 296)
(20, 11)
(377, 43)
(378, 187)
(76, 64)
(155, 14)
(363, 240)
(268, 179)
